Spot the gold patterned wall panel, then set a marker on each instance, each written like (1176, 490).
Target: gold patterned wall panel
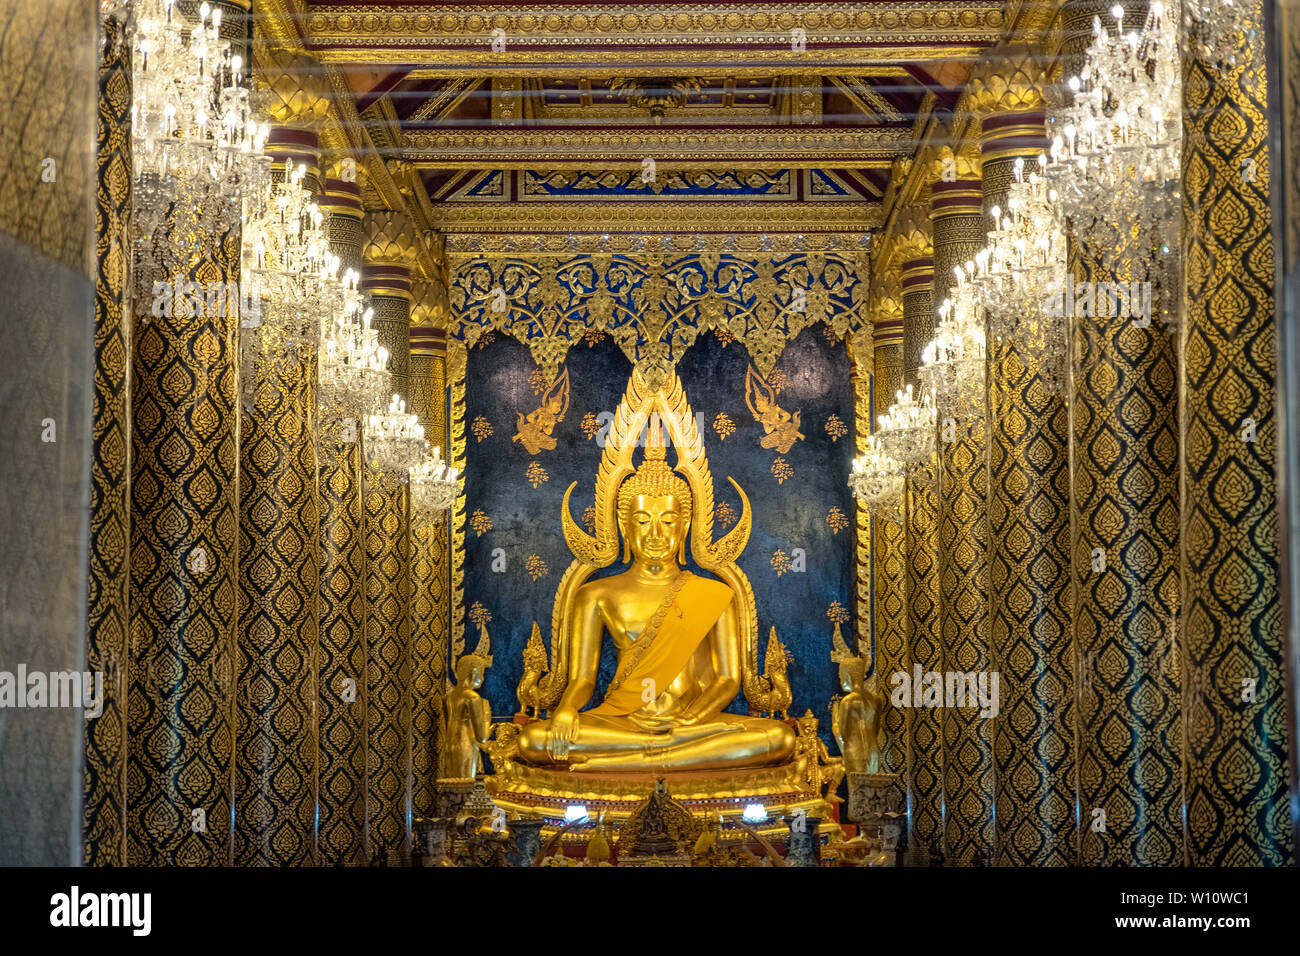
(1234, 696)
(184, 529)
(429, 593)
(1029, 576)
(921, 537)
(104, 767)
(342, 667)
(388, 668)
(1125, 501)
(276, 699)
(963, 559)
(388, 618)
(891, 587)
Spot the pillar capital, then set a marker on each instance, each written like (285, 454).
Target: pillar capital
(429, 305)
(292, 88)
(1009, 79)
(388, 252)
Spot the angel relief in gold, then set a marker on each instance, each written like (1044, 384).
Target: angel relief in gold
(685, 643)
(780, 427)
(533, 430)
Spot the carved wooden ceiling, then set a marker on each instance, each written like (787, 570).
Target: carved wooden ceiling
(792, 100)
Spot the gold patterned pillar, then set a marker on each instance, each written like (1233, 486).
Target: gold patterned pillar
(183, 565)
(342, 664)
(958, 233)
(276, 769)
(389, 255)
(921, 546)
(1234, 701)
(889, 599)
(105, 741)
(1125, 507)
(1029, 528)
(430, 609)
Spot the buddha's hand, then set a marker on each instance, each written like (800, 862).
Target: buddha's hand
(563, 731)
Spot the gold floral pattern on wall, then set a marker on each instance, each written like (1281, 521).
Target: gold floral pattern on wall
(778, 380)
(480, 522)
(535, 567)
(536, 474)
(593, 336)
(589, 519)
(534, 429)
(590, 424)
(481, 428)
(479, 615)
(836, 520)
(835, 428)
(723, 425)
(723, 336)
(781, 470)
(780, 562)
(725, 514)
(780, 427)
(537, 381)
(837, 613)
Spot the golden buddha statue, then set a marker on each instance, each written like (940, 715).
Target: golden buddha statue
(680, 649)
(685, 643)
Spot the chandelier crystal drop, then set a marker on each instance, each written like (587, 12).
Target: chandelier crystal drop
(906, 430)
(434, 484)
(877, 481)
(1223, 28)
(193, 133)
(952, 364)
(1116, 150)
(394, 439)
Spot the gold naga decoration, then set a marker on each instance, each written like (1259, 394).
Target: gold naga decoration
(781, 428)
(777, 696)
(642, 410)
(534, 429)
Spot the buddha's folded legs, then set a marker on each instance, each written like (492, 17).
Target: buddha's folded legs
(605, 743)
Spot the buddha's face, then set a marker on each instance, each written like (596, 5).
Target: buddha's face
(655, 527)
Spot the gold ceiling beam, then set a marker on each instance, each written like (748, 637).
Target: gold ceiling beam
(556, 37)
(459, 220)
(586, 148)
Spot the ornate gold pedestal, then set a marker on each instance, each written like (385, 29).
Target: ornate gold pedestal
(539, 792)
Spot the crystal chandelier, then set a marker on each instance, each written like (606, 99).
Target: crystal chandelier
(1017, 278)
(290, 277)
(906, 430)
(395, 439)
(877, 480)
(1117, 150)
(353, 364)
(433, 484)
(952, 364)
(193, 134)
